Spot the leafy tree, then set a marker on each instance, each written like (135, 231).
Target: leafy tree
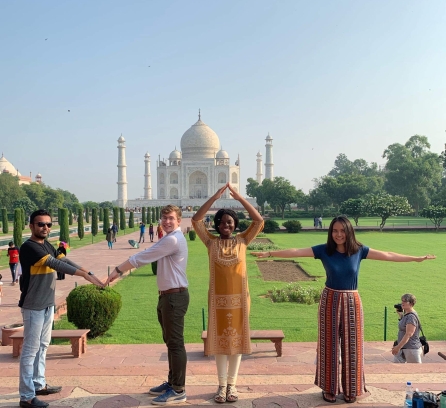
(413, 171)
(64, 233)
(106, 204)
(52, 198)
(121, 219)
(94, 221)
(143, 215)
(435, 213)
(282, 194)
(80, 224)
(354, 208)
(25, 204)
(77, 207)
(90, 204)
(35, 193)
(69, 199)
(5, 224)
(344, 166)
(106, 222)
(259, 191)
(131, 220)
(9, 190)
(385, 205)
(18, 230)
(318, 199)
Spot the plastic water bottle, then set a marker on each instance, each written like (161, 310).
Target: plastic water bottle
(443, 399)
(409, 395)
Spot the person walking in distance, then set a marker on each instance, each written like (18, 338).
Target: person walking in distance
(173, 300)
(151, 232)
(142, 230)
(114, 229)
(13, 253)
(38, 259)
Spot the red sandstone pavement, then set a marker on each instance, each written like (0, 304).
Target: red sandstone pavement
(118, 376)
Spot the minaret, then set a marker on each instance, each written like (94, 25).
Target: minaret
(259, 168)
(147, 178)
(122, 174)
(269, 165)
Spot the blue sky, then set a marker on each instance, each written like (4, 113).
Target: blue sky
(322, 77)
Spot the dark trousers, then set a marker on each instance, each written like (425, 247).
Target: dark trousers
(13, 267)
(171, 311)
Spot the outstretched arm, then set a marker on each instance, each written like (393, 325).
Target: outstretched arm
(394, 257)
(253, 213)
(286, 253)
(199, 215)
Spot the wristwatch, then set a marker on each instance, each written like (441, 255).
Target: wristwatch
(119, 271)
(91, 273)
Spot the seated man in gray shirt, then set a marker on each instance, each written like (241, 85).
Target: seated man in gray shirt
(173, 301)
(39, 262)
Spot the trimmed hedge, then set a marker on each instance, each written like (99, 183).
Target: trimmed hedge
(192, 235)
(270, 226)
(94, 308)
(292, 226)
(243, 225)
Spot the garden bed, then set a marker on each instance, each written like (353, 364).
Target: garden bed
(283, 271)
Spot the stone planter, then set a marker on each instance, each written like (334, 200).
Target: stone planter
(9, 330)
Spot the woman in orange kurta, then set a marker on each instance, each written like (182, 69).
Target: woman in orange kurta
(229, 301)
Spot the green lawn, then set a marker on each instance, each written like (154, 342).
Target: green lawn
(381, 284)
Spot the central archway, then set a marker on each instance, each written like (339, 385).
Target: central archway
(198, 185)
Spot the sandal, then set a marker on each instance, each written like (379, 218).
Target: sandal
(349, 400)
(220, 397)
(231, 393)
(331, 398)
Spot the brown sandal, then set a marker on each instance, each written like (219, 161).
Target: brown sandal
(349, 400)
(231, 393)
(220, 396)
(331, 398)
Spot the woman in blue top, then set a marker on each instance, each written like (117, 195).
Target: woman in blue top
(341, 325)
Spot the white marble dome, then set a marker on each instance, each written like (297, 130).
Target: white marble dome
(7, 167)
(199, 142)
(175, 155)
(222, 154)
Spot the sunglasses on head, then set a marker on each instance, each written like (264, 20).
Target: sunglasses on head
(42, 224)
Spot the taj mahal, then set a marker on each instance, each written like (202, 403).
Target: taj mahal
(191, 175)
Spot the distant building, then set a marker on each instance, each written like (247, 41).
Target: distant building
(7, 167)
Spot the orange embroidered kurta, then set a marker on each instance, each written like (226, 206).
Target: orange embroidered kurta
(228, 296)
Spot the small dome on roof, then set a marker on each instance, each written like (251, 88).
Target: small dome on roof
(121, 139)
(222, 154)
(175, 155)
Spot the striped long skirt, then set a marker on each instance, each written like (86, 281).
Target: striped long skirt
(341, 330)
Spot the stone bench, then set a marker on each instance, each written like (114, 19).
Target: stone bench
(78, 339)
(276, 336)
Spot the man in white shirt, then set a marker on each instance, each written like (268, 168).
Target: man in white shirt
(171, 254)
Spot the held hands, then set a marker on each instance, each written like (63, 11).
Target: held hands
(220, 192)
(232, 192)
(94, 279)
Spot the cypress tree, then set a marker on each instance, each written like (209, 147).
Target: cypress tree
(64, 233)
(5, 225)
(122, 219)
(17, 232)
(157, 213)
(131, 220)
(23, 218)
(70, 217)
(101, 214)
(94, 221)
(143, 215)
(87, 215)
(106, 223)
(80, 223)
(149, 215)
(116, 215)
(154, 220)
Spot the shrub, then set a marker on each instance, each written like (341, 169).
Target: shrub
(192, 235)
(155, 267)
(294, 292)
(270, 226)
(241, 215)
(90, 307)
(292, 226)
(243, 225)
